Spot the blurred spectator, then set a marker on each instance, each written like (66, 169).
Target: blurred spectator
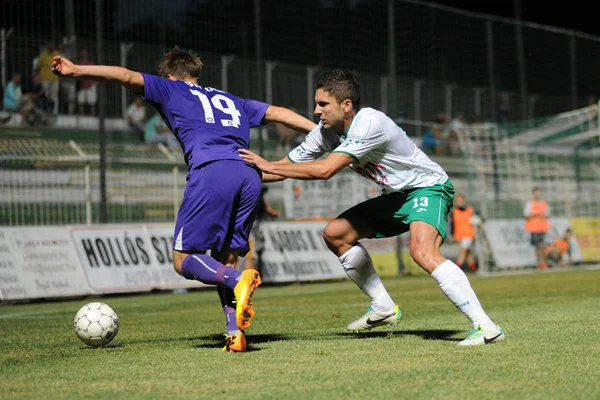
(13, 101)
(463, 223)
(87, 94)
(136, 117)
(537, 212)
(157, 131)
(441, 133)
(49, 80)
(559, 252)
(68, 87)
(458, 122)
(428, 143)
(42, 104)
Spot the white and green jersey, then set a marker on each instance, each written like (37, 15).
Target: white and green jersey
(381, 150)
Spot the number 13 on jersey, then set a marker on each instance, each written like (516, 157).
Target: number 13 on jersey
(222, 103)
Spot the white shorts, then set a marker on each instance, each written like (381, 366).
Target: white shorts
(87, 96)
(466, 243)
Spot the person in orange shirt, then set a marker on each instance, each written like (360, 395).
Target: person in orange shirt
(537, 212)
(463, 221)
(556, 251)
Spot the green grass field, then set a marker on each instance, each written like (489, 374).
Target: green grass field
(169, 345)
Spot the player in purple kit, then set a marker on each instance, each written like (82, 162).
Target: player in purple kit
(222, 192)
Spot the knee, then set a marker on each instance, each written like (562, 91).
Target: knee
(334, 234)
(425, 255)
(178, 259)
(418, 252)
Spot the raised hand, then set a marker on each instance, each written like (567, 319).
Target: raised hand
(63, 67)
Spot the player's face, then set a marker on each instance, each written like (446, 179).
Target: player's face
(459, 201)
(329, 110)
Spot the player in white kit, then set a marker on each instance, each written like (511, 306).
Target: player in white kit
(417, 197)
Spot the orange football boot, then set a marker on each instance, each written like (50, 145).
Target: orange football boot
(243, 291)
(235, 343)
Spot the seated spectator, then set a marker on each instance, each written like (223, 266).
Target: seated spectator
(136, 117)
(41, 104)
(14, 101)
(157, 131)
(87, 94)
(559, 252)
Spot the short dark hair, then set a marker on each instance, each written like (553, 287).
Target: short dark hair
(536, 188)
(181, 64)
(342, 84)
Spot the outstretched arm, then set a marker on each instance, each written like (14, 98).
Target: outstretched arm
(320, 169)
(131, 80)
(289, 118)
(266, 177)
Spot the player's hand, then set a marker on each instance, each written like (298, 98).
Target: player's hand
(253, 158)
(63, 67)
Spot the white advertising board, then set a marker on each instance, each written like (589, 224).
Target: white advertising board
(123, 258)
(296, 251)
(39, 262)
(511, 246)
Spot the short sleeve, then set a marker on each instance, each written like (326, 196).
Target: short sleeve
(255, 111)
(156, 90)
(363, 137)
(312, 147)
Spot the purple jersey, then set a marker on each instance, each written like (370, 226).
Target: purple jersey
(209, 123)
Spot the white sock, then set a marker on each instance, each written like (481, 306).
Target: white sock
(359, 267)
(455, 284)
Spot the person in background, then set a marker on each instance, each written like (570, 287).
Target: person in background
(536, 213)
(559, 252)
(463, 222)
(136, 116)
(48, 79)
(156, 131)
(13, 98)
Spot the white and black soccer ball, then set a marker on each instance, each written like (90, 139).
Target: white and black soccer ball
(96, 324)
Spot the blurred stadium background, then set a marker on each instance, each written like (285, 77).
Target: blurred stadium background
(530, 117)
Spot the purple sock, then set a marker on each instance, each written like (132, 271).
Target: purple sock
(232, 327)
(207, 270)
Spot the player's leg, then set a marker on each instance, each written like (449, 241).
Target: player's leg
(204, 223)
(235, 340)
(238, 238)
(427, 230)
(342, 235)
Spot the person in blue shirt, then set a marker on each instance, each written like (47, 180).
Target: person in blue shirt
(156, 131)
(13, 97)
(222, 192)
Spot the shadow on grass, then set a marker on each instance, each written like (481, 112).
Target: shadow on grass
(217, 341)
(105, 348)
(431, 334)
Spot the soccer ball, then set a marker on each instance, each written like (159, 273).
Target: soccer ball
(96, 324)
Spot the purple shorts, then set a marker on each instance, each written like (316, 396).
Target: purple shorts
(218, 207)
